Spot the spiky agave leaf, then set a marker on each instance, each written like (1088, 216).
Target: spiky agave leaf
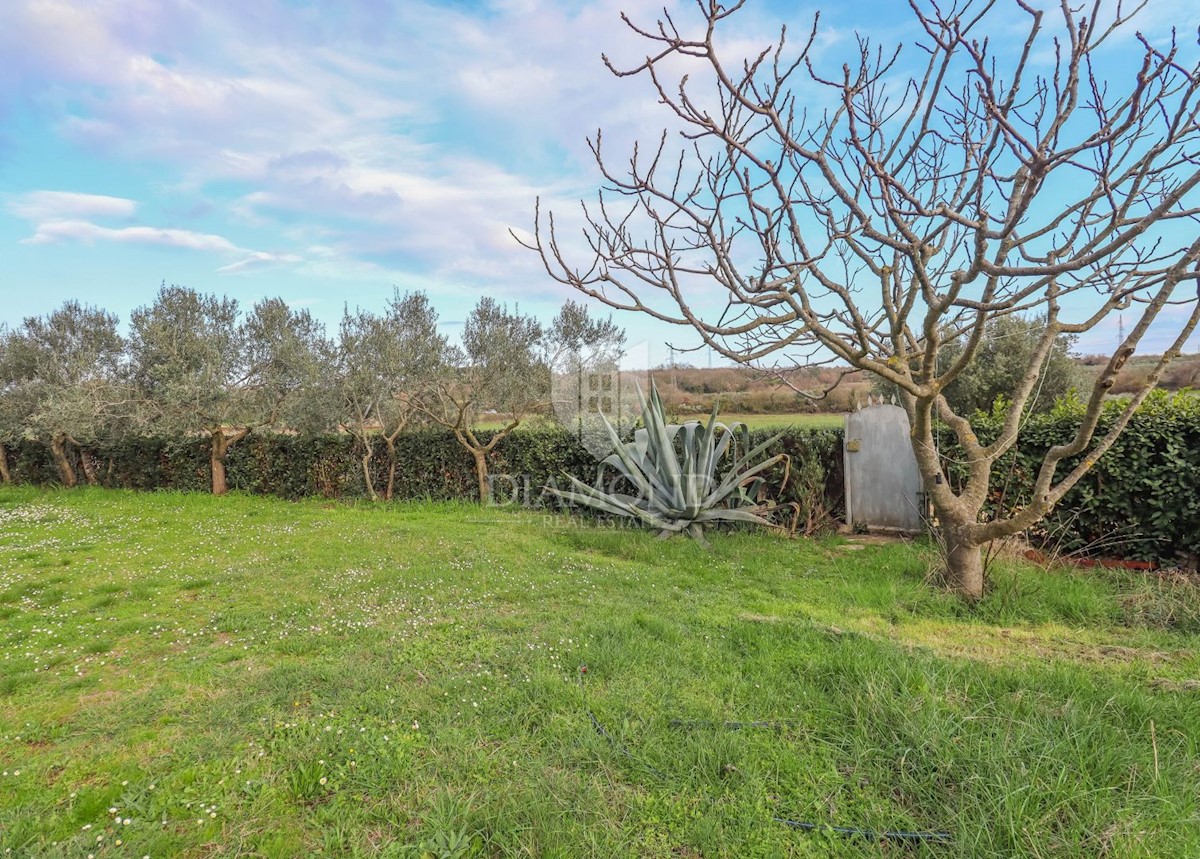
(627, 506)
(674, 470)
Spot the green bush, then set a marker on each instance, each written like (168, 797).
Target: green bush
(1140, 501)
(431, 464)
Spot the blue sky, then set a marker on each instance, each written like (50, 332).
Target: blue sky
(324, 152)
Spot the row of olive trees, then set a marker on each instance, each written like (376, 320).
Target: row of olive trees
(195, 364)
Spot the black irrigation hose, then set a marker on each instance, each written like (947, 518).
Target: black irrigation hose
(777, 724)
(600, 729)
(868, 834)
(847, 831)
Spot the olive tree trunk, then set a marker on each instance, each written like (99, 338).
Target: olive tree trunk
(390, 441)
(88, 461)
(479, 452)
(221, 442)
(5, 474)
(62, 462)
(367, 456)
(481, 474)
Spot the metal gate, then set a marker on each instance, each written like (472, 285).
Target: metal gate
(883, 485)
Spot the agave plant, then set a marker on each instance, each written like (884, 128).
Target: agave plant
(676, 472)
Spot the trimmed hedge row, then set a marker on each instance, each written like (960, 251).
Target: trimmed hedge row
(431, 465)
(1141, 501)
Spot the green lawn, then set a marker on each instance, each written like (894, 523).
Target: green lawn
(781, 421)
(183, 675)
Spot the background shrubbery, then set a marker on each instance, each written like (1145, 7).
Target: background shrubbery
(1141, 501)
(431, 464)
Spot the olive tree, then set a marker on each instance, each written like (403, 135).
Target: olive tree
(62, 379)
(382, 363)
(869, 210)
(501, 367)
(1004, 354)
(203, 369)
(580, 346)
(11, 413)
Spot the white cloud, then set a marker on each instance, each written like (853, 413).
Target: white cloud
(257, 259)
(86, 232)
(50, 205)
(62, 217)
(50, 232)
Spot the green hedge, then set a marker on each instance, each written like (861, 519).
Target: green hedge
(431, 465)
(1141, 501)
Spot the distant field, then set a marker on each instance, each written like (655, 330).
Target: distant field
(780, 421)
(800, 419)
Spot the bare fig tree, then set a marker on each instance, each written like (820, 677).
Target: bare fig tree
(870, 212)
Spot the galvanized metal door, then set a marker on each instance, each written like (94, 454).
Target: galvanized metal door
(883, 485)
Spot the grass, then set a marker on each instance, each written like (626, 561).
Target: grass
(183, 675)
(782, 421)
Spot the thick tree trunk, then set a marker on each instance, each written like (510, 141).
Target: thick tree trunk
(964, 562)
(391, 452)
(221, 442)
(481, 473)
(5, 474)
(957, 515)
(480, 453)
(220, 446)
(89, 467)
(366, 469)
(58, 451)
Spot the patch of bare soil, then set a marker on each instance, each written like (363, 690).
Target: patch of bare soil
(875, 538)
